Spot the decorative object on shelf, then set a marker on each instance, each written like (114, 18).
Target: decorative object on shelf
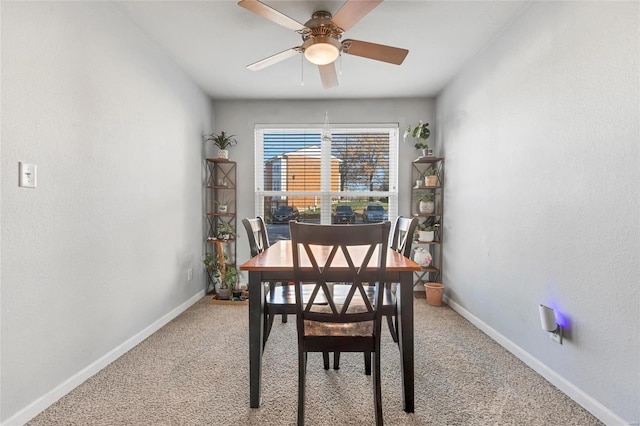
(226, 231)
(419, 183)
(431, 176)
(422, 256)
(223, 204)
(426, 236)
(223, 141)
(422, 133)
(427, 202)
(426, 230)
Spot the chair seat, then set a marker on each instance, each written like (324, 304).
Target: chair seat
(315, 328)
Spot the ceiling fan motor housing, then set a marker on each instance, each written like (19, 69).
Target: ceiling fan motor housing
(320, 29)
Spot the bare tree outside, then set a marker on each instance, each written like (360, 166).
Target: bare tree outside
(365, 161)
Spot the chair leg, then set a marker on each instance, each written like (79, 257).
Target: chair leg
(302, 367)
(336, 360)
(268, 323)
(392, 328)
(265, 329)
(325, 359)
(367, 363)
(284, 318)
(377, 402)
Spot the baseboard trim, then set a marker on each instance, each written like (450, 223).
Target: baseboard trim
(572, 391)
(39, 405)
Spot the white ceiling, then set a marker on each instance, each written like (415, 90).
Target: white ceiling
(213, 41)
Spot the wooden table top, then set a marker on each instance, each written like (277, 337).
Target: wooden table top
(279, 257)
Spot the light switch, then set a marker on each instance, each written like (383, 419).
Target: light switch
(28, 175)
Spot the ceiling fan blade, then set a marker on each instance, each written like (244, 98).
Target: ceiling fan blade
(328, 75)
(379, 52)
(273, 59)
(271, 14)
(352, 11)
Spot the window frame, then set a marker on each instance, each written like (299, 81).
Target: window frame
(326, 194)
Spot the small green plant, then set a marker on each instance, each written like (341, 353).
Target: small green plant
(429, 224)
(222, 140)
(224, 201)
(212, 264)
(420, 132)
(426, 196)
(209, 262)
(225, 231)
(230, 277)
(431, 171)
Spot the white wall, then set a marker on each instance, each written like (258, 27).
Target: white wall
(541, 136)
(240, 117)
(95, 257)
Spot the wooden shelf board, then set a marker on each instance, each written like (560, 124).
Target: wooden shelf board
(428, 159)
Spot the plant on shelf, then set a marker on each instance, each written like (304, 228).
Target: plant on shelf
(223, 204)
(225, 231)
(421, 132)
(429, 224)
(223, 141)
(431, 175)
(426, 230)
(426, 201)
(222, 272)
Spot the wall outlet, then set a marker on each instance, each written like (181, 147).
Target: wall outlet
(189, 274)
(557, 336)
(28, 175)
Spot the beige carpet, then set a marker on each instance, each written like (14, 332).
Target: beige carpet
(194, 371)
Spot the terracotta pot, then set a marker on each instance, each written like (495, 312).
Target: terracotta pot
(435, 291)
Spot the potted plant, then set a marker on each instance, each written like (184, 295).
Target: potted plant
(427, 202)
(431, 176)
(426, 230)
(223, 204)
(222, 272)
(223, 141)
(212, 267)
(225, 231)
(421, 132)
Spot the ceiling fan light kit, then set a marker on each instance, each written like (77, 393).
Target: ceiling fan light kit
(321, 50)
(321, 38)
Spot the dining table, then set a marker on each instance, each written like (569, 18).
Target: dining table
(276, 264)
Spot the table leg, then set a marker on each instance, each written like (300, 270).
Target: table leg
(256, 329)
(405, 338)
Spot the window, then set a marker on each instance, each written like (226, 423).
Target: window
(315, 171)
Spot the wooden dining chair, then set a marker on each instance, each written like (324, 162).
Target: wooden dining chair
(280, 298)
(337, 316)
(401, 241)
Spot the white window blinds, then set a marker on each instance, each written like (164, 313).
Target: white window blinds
(313, 169)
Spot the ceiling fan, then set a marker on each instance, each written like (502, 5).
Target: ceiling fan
(321, 37)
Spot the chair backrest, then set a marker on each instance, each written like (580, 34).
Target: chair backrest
(257, 235)
(326, 257)
(403, 231)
